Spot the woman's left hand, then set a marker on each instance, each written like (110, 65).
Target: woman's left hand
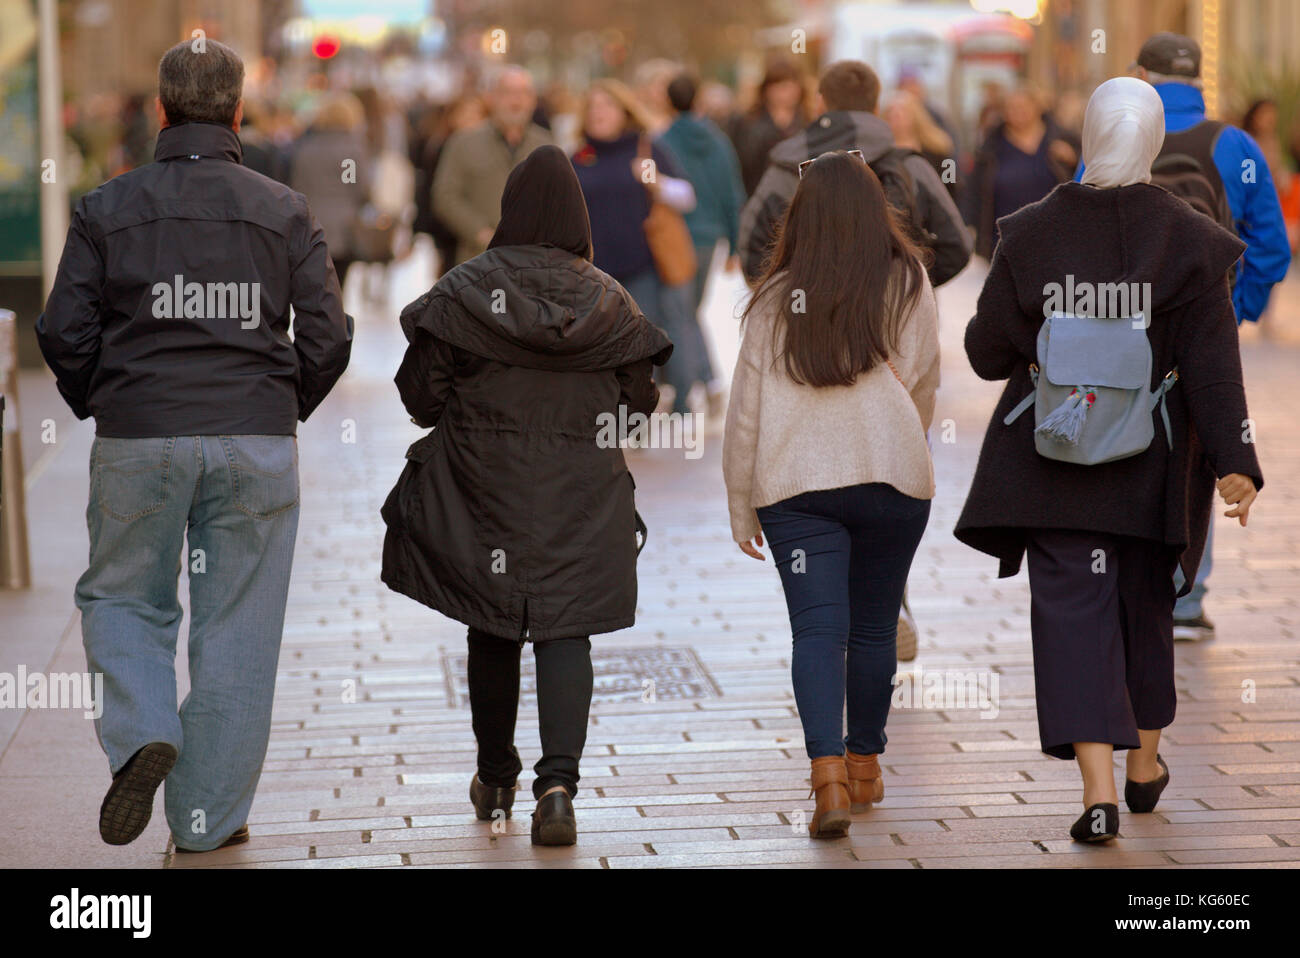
(751, 549)
(1238, 491)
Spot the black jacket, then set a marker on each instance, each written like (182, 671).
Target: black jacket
(1135, 234)
(934, 208)
(127, 353)
(510, 516)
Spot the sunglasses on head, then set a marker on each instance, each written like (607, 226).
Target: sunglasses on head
(856, 154)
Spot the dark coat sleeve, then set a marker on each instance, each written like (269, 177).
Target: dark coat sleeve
(999, 336)
(69, 330)
(636, 387)
(322, 332)
(950, 239)
(1209, 369)
(978, 203)
(759, 218)
(424, 380)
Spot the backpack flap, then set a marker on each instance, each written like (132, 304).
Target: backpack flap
(1083, 350)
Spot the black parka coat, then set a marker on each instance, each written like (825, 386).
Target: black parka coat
(510, 515)
(1137, 234)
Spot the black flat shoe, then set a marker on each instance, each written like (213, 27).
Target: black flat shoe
(488, 798)
(128, 804)
(1142, 796)
(553, 822)
(238, 837)
(1100, 823)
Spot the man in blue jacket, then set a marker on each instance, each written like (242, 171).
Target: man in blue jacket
(1172, 64)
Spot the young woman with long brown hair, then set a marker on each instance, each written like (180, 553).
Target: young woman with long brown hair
(825, 453)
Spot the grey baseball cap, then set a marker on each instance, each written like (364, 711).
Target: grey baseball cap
(1171, 54)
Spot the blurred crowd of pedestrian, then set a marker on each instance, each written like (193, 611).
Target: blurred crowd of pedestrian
(436, 167)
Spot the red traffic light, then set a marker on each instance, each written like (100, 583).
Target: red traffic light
(325, 46)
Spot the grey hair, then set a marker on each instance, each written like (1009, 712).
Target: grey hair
(200, 87)
(492, 79)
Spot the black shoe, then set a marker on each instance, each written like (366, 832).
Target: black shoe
(128, 804)
(488, 798)
(553, 822)
(1100, 823)
(1142, 796)
(238, 837)
(1193, 630)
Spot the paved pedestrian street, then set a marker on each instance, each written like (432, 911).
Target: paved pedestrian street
(694, 754)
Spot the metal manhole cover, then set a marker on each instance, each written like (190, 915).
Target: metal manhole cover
(671, 673)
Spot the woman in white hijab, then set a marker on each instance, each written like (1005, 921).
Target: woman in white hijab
(1123, 130)
(1103, 540)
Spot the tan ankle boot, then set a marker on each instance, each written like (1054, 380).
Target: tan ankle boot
(865, 784)
(830, 783)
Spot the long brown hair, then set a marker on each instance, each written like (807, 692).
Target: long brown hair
(844, 275)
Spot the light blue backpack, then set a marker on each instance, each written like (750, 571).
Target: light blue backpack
(1091, 400)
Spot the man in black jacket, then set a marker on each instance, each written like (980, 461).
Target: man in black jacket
(169, 323)
(850, 92)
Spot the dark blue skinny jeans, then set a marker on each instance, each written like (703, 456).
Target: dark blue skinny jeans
(843, 555)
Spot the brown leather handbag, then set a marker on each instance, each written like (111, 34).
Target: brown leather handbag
(669, 239)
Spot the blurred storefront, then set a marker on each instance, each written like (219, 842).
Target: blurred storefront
(1247, 45)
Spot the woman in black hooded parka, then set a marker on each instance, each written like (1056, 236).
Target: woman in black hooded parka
(515, 513)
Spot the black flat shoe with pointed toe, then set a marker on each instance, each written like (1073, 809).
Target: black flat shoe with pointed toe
(554, 822)
(488, 798)
(1100, 823)
(1142, 796)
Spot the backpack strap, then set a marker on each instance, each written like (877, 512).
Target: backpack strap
(1158, 399)
(1028, 401)
(1198, 141)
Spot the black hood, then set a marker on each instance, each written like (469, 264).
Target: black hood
(542, 205)
(539, 307)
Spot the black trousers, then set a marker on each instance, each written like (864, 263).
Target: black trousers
(1101, 614)
(564, 682)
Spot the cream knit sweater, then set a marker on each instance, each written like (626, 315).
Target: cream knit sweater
(783, 439)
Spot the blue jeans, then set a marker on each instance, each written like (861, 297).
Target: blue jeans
(1191, 605)
(669, 308)
(236, 498)
(843, 555)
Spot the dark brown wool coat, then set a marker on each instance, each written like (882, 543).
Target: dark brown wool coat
(1134, 234)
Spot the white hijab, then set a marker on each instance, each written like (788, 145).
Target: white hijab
(1123, 130)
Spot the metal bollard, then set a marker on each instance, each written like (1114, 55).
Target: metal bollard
(15, 564)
